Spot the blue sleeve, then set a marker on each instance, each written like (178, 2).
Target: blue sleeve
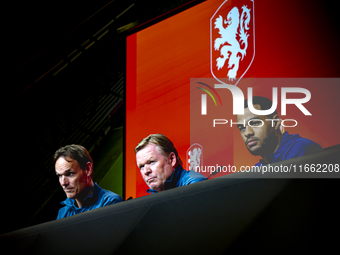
(59, 216)
(195, 177)
(61, 213)
(112, 199)
(302, 148)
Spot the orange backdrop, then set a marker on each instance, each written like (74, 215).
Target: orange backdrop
(293, 39)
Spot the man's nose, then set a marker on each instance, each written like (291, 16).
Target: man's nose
(249, 131)
(64, 181)
(147, 169)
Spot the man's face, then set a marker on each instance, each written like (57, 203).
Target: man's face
(259, 139)
(155, 168)
(71, 177)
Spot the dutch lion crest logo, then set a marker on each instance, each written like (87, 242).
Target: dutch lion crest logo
(194, 157)
(232, 40)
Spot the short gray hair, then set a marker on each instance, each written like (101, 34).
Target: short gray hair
(162, 142)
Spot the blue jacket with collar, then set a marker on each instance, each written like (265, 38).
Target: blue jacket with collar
(180, 177)
(98, 198)
(292, 146)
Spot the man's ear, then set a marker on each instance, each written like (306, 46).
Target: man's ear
(277, 123)
(172, 159)
(89, 169)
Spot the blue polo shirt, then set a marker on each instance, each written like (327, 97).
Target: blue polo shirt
(180, 177)
(98, 198)
(292, 146)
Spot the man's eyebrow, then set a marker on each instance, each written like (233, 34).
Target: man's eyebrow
(253, 118)
(246, 121)
(66, 171)
(150, 158)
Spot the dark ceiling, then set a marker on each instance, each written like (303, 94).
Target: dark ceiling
(42, 34)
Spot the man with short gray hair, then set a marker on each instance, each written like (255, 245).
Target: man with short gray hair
(161, 166)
